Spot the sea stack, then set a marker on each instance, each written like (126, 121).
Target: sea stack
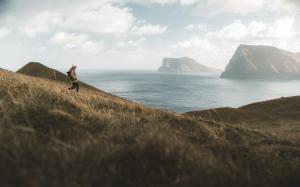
(262, 62)
(184, 65)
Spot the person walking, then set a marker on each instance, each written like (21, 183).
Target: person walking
(73, 78)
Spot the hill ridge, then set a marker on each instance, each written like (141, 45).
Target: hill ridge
(37, 69)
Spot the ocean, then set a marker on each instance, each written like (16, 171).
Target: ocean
(183, 93)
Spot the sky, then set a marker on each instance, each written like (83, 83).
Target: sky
(138, 34)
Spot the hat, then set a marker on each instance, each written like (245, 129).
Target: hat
(74, 66)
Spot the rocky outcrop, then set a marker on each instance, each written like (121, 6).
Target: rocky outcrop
(184, 65)
(262, 62)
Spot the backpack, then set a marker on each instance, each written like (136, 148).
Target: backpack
(69, 75)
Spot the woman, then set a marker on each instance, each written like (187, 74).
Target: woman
(73, 77)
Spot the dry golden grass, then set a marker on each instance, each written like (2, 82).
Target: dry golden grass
(37, 69)
(52, 137)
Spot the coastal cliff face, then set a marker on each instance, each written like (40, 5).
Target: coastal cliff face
(262, 62)
(184, 65)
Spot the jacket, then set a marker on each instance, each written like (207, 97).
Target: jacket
(73, 75)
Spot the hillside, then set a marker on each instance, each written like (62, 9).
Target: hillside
(39, 70)
(283, 108)
(184, 65)
(262, 62)
(230, 115)
(283, 112)
(54, 137)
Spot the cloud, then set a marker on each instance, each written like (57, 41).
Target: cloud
(237, 31)
(213, 7)
(66, 28)
(195, 42)
(131, 43)
(202, 49)
(97, 18)
(148, 30)
(4, 32)
(280, 29)
(38, 24)
(65, 38)
(72, 41)
(100, 19)
(296, 2)
(216, 7)
(199, 27)
(216, 47)
(2, 3)
(164, 2)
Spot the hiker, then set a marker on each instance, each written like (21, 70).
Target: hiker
(73, 78)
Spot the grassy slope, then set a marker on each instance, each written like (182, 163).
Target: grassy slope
(283, 108)
(272, 111)
(230, 115)
(37, 69)
(52, 137)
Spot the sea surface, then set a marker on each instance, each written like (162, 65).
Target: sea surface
(183, 93)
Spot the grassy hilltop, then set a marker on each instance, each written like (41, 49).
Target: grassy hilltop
(53, 137)
(37, 69)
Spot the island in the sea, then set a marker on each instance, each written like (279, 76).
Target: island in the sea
(262, 62)
(184, 65)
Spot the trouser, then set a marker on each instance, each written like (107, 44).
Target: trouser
(75, 85)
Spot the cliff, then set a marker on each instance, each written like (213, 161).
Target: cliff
(262, 62)
(184, 65)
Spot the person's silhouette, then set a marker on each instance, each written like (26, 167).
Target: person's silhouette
(73, 77)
